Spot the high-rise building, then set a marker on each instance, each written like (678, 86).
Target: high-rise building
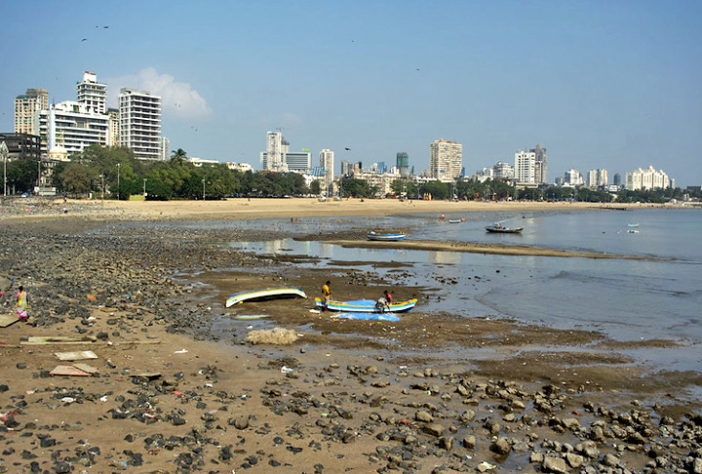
(346, 168)
(274, 152)
(71, 126)
(649, 178)
(27, 108)
(140, 123)
(92, 93)
(402, 164)
(326, 161)
(617, 179)
(297, 161)
(165, 148)
(540, 164)
(503, 170)
(445, 160)
(597, 177)
(113, 117)
(525, 166)
(572, 177)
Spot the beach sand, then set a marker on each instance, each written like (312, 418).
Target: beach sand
(359, 396)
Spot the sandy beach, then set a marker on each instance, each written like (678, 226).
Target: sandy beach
(176, 387)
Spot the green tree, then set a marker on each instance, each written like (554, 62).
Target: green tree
(437, 189)
(315, 187)
(76, 179)
(22, 174)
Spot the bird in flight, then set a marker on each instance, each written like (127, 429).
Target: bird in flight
(84, 39)
(347, 149)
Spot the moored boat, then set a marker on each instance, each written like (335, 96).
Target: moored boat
(265, 294)
(365, 306)
(373, 235)
(502, 229)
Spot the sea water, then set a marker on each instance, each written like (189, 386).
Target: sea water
(624, 299)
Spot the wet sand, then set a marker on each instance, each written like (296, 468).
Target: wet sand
(431, 392)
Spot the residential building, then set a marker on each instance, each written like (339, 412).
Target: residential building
(346, 168)
(165, 146)
(27, 106)
(241, 167)
(503, 171)
(198, 162)
(402, 163)
(540, 164)
(597, 177)
(649, 178)
(272, 158)
(326, 161)
(572, 177)
(445, 160)
(113, 117)
(21, 146)
(92, 93)
(140, 123)
(484, 174)
(71, 126)
(525, 166)
(617, 179)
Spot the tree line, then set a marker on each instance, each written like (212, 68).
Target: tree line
(114, 171)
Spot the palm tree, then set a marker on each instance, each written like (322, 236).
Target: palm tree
(178, 156)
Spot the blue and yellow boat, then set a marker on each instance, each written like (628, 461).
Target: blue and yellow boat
(366, 306)
(387, 237)
(265, 294)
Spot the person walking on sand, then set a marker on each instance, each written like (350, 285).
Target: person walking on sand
(326, 295)
(22, 303)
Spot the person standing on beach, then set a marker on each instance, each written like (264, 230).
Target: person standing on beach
(326, 295)
(22, 303)
(384, 302)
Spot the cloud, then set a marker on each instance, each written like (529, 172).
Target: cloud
(178, 99)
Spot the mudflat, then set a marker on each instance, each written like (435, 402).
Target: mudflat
(177, 387)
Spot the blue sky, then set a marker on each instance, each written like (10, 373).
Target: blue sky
(612, 85)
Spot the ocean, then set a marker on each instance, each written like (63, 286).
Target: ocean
(627, 300)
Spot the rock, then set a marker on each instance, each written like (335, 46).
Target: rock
(4, 388)
(241, 422)
(424, 416)
(697, 466)
(21, 365)
(536, 457)
(610, 460)
(434, 429)
(446, 442)
(570, 423)
(467, 416)
(553, 464)
(469, 441)
(501, 446)
(574, 460)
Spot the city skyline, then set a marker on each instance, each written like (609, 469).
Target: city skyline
(589, 82)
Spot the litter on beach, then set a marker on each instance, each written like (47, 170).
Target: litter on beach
(79, 355)
(7, 320)
(182, 351)
(69, 370)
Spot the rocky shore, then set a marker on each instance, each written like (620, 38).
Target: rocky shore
(177, 389)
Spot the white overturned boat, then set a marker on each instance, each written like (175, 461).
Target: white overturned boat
(265, 294)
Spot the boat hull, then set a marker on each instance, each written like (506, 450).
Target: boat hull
(264, 294)
(386, 237)
(504, 230)
(365, 306)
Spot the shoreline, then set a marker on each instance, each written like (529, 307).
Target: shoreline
(357, 395)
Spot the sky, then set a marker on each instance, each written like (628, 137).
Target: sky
(600, 84)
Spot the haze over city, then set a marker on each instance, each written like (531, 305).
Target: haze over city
(600, 85)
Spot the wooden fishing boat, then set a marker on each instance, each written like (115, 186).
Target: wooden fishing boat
(265, 294)
(501, 229)
(373, 235)
(366, 306)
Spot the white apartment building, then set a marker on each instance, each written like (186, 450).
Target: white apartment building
(113, 116)
(597, 177)
(484, 174)
(27, 107)
(165, 145)
(445, 160)
(71, 126)
(649, 178)
(503, 170)
(326, 161)
(272, 158)
(241, 167)
(92, 93)
(572, 177)
(140, 123)
(525, 166)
